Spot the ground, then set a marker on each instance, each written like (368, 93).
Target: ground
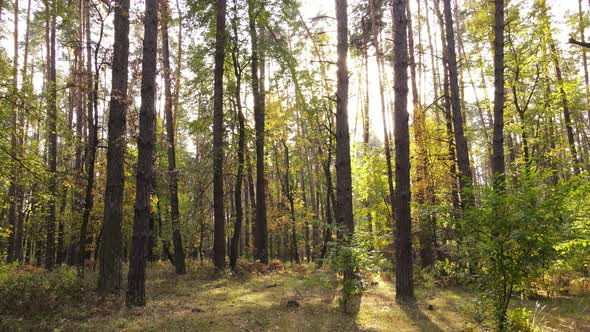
(301, 298)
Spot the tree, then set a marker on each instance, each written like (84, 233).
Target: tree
(498, 167)
(52, 141)
(260, 233)
(344, 214)
(465, 177)
(92, 122)
(110, 275)
(404, 286)
(145, 145)
(238, 72)
(13, 211)
(219, 220)
(170, 132)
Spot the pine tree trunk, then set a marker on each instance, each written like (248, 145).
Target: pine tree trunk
(387, 145)
(465, 178)
(404, 286)
(219, 220)
(12, 191)
(170, 132)
(111, 250)
(498, 165)
(145, 146)
(52, 143)
(260, 234)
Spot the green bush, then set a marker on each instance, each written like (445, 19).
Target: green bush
(518, 321)
(512, 234)
(26, 289)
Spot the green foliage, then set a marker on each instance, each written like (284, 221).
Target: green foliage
(518, 320)
(350, 257)
(27, 289)
(512, 234)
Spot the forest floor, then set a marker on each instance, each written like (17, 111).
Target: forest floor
(199, 302)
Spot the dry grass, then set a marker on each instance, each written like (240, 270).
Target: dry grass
(199, 301)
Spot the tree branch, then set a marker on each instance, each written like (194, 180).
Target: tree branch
(580, 43)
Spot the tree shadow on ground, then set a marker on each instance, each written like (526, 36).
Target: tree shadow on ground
(419, 318)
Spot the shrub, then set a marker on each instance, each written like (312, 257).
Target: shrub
(518, 320)
(511, 235)
(26, 289)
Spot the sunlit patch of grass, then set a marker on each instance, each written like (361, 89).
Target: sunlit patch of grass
(204, 301)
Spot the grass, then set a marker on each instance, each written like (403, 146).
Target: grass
(198, 301)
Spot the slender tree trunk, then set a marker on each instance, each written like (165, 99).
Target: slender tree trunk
(404, 285)
(289, 193)
(173, 173)
(219, 222)
(498, 165)
(252, 197)
(12, 191)
(260, 235)
(145, 146)
(465, 177)
(582, 27)
(387, 145)
(565, 108)
(110, 252)
(52, 142)
(235, 241)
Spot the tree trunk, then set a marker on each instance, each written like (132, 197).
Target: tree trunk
(170, 131)
(465, 178)
(110, 253)
(219, 223)
(260, 234)
(145, 146)
(584, 50)
(498, 165)
(12, 191)
(235, 241)
(404, 286)
(387, 145)
(344, 212)
(52, 142)
(92, 122)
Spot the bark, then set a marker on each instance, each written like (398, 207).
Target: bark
(52, 143)
(403, 273)
(465, 177)
(219, 223)
(330, 198)
(498, 164)
(260, 234)
(12, 191)
(170, 133)
(92, 122)
(344, 214)
(290, 194)
(145, 145)
(110, 253)
(235, 241)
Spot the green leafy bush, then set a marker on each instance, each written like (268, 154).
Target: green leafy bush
(511, 236)
(26, 289)
(518, 321)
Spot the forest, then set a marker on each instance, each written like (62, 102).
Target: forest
(294, 165)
